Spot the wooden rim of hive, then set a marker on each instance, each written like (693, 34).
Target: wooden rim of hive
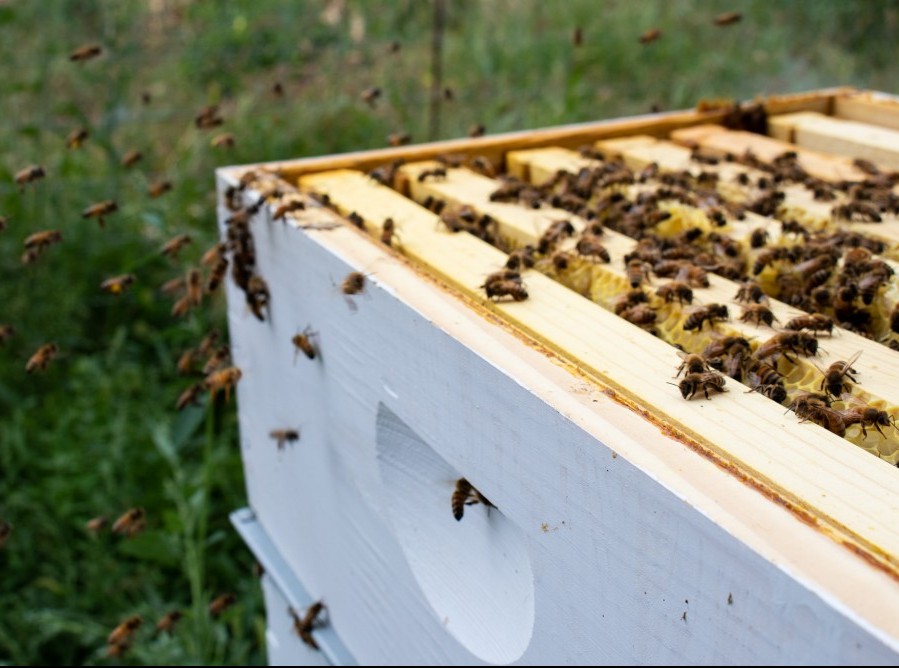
(823, 481)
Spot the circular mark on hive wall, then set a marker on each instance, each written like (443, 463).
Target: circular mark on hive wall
(475, 573)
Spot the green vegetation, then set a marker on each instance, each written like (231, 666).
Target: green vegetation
(97, 432)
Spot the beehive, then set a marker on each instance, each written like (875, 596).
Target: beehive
(631, 518)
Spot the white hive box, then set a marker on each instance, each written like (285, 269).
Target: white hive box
(630, 526)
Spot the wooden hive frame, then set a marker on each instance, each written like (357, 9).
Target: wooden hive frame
(768, 503)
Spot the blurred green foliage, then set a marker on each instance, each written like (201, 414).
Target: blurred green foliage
(98, 432)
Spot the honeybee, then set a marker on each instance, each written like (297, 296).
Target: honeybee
(704, 314)
(650, 35)
(477, 130)
(728, 18)
(521, 258)
(388, 231)
(859, 211)
(577, 36)
(6, 333)
(40, 240)
(675, 291)
(41, 358)
(483, 166)
(872, 280)
(213, 255)
(224, 379)
(784, 343)
(85, 52)
(131, 158)
(465, 494)
(186, 361)
(166, 623)
(283, 436)
(554, 234)
(304, 626)
(221, 603)
(765, 379)
(76, 138)
(696, 277)
(189, 396)
(182, 306)
(208, 117)
(865, 416)
(173, 246)
(759, 314)
(810, 407)
(750, 291)
(287, 207)
(208, 342)
(194, 284)
(220, 357)
(370, 96)
(505, 283)
(590, 246)
(28, 175)
(117, 284)
(691, 363)
(438, 173)
(815, 322)
(693, 382)
(758, 238)
(5, 532)
(130, 523)
(123, 632)
(118, 649)
(399, 138)
(224, 140)
(835, 377)
(353, 283)
(637, 272)
(4, 221)
(302, 342)
(356, 220)
(159, 188)
(216, 275)
(96, 524)
(100, 210)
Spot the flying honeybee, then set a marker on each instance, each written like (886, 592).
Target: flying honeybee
(193, 282)
(85, 52)
(117, 284)
(6, 333)
(159, 188)
(399, 138)
(223, 379)
(166, 623)
(283, 436)
(131, 158)
(77, 137)
(186, 361)
(693, 382)
(477, 130)
(40, 240)
(208, 117)
(28, 175)
(190, 396)
(100, 210)
(650, 36)
(173, 246)
(221, 603)
(370, 96)
(217, 274)
(836, 376)
(353, 283)
(130, 523)
(728, 19)
(305, 625)
(123, 632)
(97, 524)
(302, 343)
(465, 494)
(41, 358)
(219, 358)
(224, 140)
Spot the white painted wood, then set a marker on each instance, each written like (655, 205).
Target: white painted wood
(636, 543)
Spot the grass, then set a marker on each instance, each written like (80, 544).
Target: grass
(98, 432)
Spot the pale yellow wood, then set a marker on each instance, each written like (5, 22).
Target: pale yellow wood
(869, 107)
(605, 283)
(735, 142)
(807, 467)
(850, 139)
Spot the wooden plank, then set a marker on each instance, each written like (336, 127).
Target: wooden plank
(737, 142)
(851, 139)
(818, 472)
(869, 107)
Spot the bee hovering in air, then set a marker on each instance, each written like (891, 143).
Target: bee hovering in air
(304, 625)
(76, 138)
(130, 523)
(121, 635)
(728, 19)
(650, 36)
(100, 210)
(220, 604)
(208, 117)
(166, 623)
(85, 52)
(283, 436)
(302, 343)
(28, 175)
(370, 96)
(465, 494)
(224, 379)
(173, 246)
(97, 524)
(224, 140)
(6, 333)
(117, 284)
(353, 284)
(41, 358)
(131, 158)
(159, 188)
(5, 532)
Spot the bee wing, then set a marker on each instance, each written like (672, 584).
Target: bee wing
(852, 360)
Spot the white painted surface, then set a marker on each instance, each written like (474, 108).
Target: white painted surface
(625, 530)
